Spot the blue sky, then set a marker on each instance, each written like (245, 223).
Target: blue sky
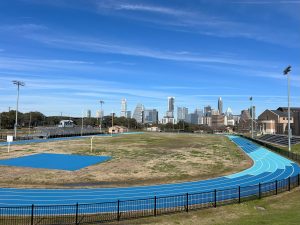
(72, 53)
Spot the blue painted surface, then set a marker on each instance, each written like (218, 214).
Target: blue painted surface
(54, 161)
(267, 167)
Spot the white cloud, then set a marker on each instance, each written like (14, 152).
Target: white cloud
(149, 8)
(94, 45)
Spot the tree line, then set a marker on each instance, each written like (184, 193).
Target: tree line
(35, 119)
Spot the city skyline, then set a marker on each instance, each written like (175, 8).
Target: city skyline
(145, 51)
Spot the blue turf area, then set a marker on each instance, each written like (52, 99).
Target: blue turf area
(54, 161)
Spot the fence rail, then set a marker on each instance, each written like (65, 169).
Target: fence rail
(77, 214)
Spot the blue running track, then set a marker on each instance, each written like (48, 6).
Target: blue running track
(267, 167)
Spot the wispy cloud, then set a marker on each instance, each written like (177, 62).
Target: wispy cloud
(149, 8)
(267, 2)
(27, 27)
(94, 45)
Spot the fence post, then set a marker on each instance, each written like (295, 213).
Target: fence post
(276, 187)
(239, 194)
(118, 210)
(32, 209)
(289, 183)
(154, 205)
(259, 190)
(187, 202)
(215, 205)
(76, 217)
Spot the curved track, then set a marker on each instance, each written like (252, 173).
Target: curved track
(267, 167)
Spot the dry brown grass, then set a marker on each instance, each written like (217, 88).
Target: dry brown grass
(138, 159)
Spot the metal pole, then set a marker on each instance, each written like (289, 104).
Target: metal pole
(251, 118)
(289, 113)
(18, 83)
(101, 103)
(16, 122)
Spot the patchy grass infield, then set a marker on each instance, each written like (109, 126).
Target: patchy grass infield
(137, 159)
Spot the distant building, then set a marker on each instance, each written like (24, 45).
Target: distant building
(217, 121)
(207, 120)
(166, 120)
(123, 108)
(295, 113)
(207, 111)
(88, 113)
(66, 123)
(169, 117)
(274, 122)
(150, 116)
(229, 113)
(117, 129)
(220, 106)
(182, 114)
(230, 122)
(128, 114)
(192, 118)
(171, 101)
(138, 113)
(244, 125)
(153, 129)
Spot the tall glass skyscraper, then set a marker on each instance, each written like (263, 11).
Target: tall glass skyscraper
(138, 113)
(123, 107)
(220, 106)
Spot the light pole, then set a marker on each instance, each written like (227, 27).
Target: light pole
(18, 83)
(286, 72)
(251, 111)
(101, 103)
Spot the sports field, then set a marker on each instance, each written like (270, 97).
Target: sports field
(137, 159)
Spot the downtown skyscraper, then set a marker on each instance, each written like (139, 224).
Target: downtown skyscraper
(220, 106)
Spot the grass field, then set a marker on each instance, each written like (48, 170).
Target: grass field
(138, 159)
(282, 209)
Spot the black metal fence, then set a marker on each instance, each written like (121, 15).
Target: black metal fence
(128, 209)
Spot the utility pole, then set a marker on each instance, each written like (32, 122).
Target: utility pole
(101, 103)
(251, 110)
(286, 72)
(18, 83)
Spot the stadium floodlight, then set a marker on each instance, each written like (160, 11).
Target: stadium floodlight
(101, 103)
(286, 72)
(251, 116)
(18, 83)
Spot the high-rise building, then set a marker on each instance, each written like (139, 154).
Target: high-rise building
(138, 113)
(128, 114)
(171, 101)
(169, 117)
(88, 113)
(207, 110)
(182, 113)
(123, 107)
(193, 118)
(220, 106)
(150, 116)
